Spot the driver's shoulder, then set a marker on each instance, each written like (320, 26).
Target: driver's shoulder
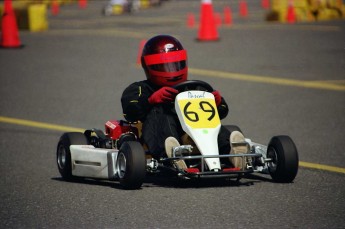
(143, 86)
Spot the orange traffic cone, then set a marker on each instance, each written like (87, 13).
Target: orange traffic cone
(243, 8)
(55, 8)
(82, 4)
(207, 29)
(291, 16)
(227, 16)
(265, 4)
(141, 46)
(190, 20)
(9, 35)
(217, 19)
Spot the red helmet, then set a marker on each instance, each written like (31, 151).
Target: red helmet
(164, 61)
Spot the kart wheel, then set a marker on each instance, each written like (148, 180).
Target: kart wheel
(131, 165)
(283, 166)
(63, 153)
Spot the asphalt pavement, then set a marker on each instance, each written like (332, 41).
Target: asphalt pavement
(278, 79)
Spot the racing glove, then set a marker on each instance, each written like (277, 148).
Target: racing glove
(163, 95)
(217, 97)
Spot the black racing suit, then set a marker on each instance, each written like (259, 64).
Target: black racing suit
(159, 120)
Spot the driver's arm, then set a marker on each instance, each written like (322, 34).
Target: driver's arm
(223, 109)
(135, 103)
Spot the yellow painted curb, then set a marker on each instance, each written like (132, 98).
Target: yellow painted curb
(41, 125)
(268, 80)
(322, 167)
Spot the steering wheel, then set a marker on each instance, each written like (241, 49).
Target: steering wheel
(193, 85)
(188, 86)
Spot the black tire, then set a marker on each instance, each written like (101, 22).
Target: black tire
(63, 153)
(233, 128)
(284, 165)
(131, 165)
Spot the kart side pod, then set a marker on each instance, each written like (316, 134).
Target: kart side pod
(88, 161)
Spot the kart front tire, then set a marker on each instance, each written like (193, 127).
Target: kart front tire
(283, 166)
(63, 153)
(131, 165)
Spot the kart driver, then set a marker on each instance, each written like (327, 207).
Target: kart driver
(164, 61)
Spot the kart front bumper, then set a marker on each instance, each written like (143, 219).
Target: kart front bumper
(246, 168)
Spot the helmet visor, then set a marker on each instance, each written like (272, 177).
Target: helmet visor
(168, 67)
(167, 62)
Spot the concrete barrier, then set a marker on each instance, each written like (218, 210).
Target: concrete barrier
(32, 14)
(307, 10)
(37, 17)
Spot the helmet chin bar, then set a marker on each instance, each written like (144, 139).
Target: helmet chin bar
(175, 79)
(167, 78)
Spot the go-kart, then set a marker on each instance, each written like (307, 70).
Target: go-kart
(119, 153)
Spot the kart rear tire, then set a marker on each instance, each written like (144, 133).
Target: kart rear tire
(63, 153)
(284, 165)
(131, 165)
